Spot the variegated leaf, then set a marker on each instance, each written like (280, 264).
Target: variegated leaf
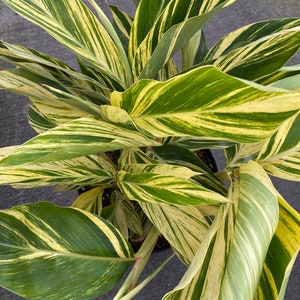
(255, 225)
(217, 105)
(153, 188)
(282, 73)
(252, 52)
(122, 23)
(74, 139)
(75, 26)
(280, 154)
(173, 154)
(162, 169)
(51, 68)
(173, 24)
(282, 254)
(229, 261)
(90, 200)
(184, 227)
(290, 83)
(56, 107)
(82, 171)
(203, 277)
(42, 245)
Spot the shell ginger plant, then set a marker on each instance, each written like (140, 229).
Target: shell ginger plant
(124, 130)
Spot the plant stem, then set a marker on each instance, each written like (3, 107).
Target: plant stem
(142, 257)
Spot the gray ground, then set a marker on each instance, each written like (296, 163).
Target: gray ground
(14, 128)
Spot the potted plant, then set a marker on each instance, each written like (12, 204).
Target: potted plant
(125, 131)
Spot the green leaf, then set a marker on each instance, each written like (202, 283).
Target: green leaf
(75, 27)
(173, 24)
(290, 83)
(203, 277)
(282, 254)
(280, 154)
(229, 261)
(48, 104)
(258, 49)
(74, 139)
(122, 23)
(174, 154)
(184, 227)
(49, 67)
(217, 106)
(153, 188)
(282, 73)
(75, 173)
(42, 245)
(255, 225)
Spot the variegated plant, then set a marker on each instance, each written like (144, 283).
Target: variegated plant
(127, 126)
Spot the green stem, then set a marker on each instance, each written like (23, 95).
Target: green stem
(142, 257)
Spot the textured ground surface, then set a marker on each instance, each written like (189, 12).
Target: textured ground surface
(14, 128)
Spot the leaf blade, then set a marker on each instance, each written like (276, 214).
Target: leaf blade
(35, 242)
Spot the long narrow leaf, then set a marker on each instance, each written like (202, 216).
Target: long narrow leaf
(91, 170)
(255, 225)
(74, 25)
(258, 49)
(280, 154)
(153, 188)
(282, 254)
(74, 139)
(217, 105)
(177, 22)
(184, 227)
(42, 245)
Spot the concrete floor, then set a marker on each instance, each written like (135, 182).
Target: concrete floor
(14, 128)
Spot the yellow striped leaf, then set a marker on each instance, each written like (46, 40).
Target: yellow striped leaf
(42, 245)
(74, 139)
(229, 262)
(154, 188)
(203, 277)
(75, 173)
(184, 227)
(76, 27)
(282, 254)
(258, 49)
(255, 225)
(170, 23)
(280, 154)
(217, 106)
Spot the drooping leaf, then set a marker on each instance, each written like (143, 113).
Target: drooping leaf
(75, 26)
(217, 106)
(258, 49)
(165, 189)
(282, 254)
(74, 139)
(285, 72)
(43, 246)
(290, 83)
